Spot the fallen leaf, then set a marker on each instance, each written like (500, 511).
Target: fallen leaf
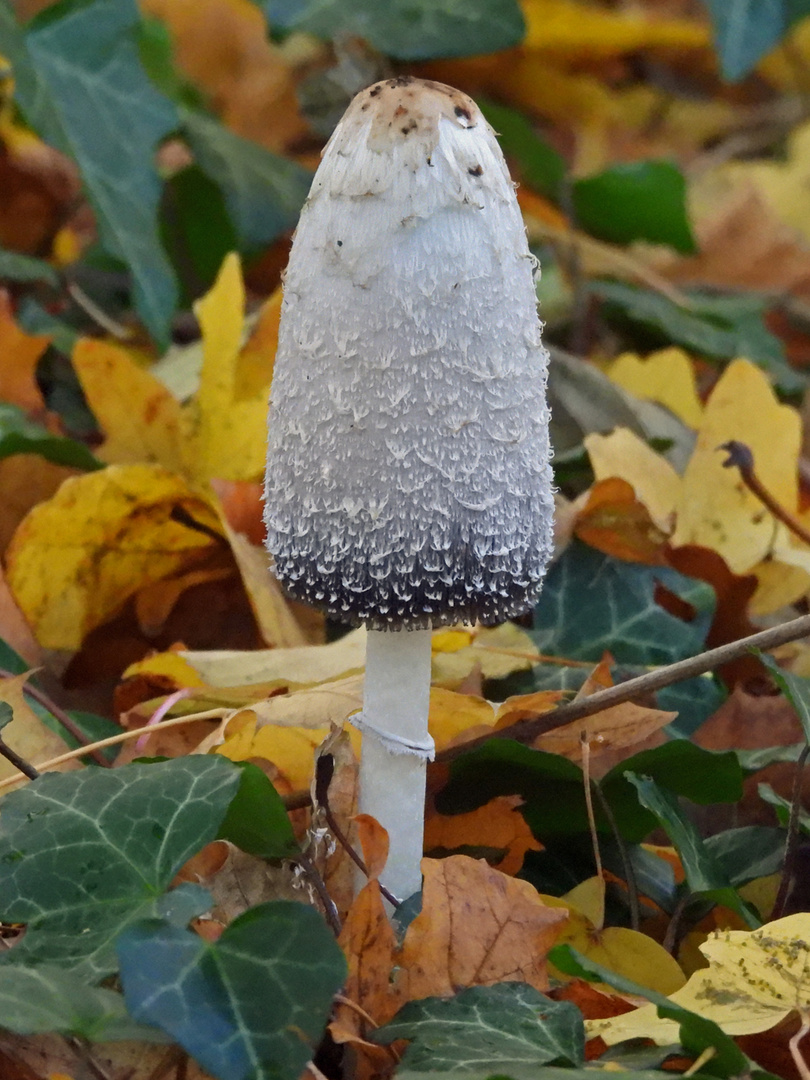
(624, 455)
(627, 952)
(742, 244)
(223, 47)
(666, 376)
(21, 353)
(615, 522)
(140, 418)
(453, 716)
(304, 665)
(274, 618)
(25, 733)
(476, 927)
(715, 509)
(25, 481)
(755, 979)
(76, 559)
(339, 873)
(497, 825)
(14, 630)
(500, 651)
(228, 415)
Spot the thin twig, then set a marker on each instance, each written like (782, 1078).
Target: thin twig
(100, 317)
(526, 731)
(586, 782)
(792, 840)
(795, 1050)
(317, 882)
(67, 722)
(670, 941)
(627, 864)
(741, 457)
(25, 767)
(114, 740)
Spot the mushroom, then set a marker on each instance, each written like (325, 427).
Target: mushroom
(408, 478)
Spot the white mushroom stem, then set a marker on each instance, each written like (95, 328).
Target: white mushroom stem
(396, 748)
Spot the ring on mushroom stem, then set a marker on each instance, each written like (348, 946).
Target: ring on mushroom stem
(408, 479)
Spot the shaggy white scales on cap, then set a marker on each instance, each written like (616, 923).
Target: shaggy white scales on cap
(408, 477)
(408, 480)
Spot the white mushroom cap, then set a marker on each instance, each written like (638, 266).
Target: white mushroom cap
(408, 478)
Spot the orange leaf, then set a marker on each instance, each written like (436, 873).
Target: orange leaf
(20, 353)
(476, 927)
(614, 521)
(374, 842)
(498, 824)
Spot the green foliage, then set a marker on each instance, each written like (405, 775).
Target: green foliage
(19, 435)
(42, 999)
(745, 30)
(592, 602)
(85, 854)
(25, 268)
(408, 29)
(697, 1033)
(497, 1027)
(552, 787)
(704, 875)
(257, 820)
(644, 200)
(717, 327)
(252, 1005)
(81, 86)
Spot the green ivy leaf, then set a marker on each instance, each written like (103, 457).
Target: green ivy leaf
(263, 192)
(408, 29)
(42, 999)
(257, 821)
(81, 86)
(592, 602)
(19, 435)
(85, 854)
(745, 30)
(718, 327)
(795, 689)
(251, 1005)
(642, 200)
(496, 1027)
(704, 875)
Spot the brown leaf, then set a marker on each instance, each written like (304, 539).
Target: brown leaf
(476, 927)
(339, 873)
(615, 522)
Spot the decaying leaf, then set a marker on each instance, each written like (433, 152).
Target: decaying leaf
(477, 927)
(666, 376)
(77, 558)
(755, 979)
(26, 734)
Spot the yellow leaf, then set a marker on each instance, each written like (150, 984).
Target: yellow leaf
(452, 714)
(625, 455)
(575, 30)
(291, 749)
(274, 618)
(229, 413)
(451, 641)
(306, 664)
(715, 509)
(26, 733)
(500, 651)
(784, 184)
(755, 979)
(76, 559)
(588, 898)
(627, 952)
(666, 376)
(141, 420)
(20, 353)
(170, 664)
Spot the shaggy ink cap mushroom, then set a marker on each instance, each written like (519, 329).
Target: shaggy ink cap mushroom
(408, 479)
